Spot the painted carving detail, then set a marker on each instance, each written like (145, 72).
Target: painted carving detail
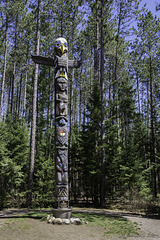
(61, 127)
(62, 167)
(61, 64)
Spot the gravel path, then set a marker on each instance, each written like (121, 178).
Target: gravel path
(150, 227)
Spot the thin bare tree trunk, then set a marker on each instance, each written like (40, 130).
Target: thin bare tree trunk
(25, 84)
(14, 67)
(84, 109)
(80, 101)
(115, 83)
(103, 162)
(153, 145)
(19, 97)
(4, 67)
(70, 131)
(71, 108)
(34, 113)
(139, 104)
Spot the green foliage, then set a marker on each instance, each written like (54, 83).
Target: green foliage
(14, 157)
(85, 151)
(131, 89)
(44, 182)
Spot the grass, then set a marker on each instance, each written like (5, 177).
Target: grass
(20, 221)
(117, 226)
(113, 225)
(37, 215)
(16, 223)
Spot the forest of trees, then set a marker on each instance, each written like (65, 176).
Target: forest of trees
(114, 101)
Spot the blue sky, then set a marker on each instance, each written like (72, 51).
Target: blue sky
(151, 5)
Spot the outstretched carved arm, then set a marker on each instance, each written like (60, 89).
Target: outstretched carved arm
(44, 60)
(74, 63)
(59, 61)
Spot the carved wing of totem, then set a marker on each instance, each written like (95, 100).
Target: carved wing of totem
(43, 60)
(74, 63)
(51, 62)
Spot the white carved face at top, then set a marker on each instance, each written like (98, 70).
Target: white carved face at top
(61, 47)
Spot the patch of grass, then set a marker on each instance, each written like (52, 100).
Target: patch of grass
(118, 226)
(37, 215)
(113, 225)
(16, 223)
(21, 221)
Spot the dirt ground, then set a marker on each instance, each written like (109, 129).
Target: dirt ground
(149, 227)
(34, 229)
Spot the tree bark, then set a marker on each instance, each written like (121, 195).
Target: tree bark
(14, 66)
(25, 83)
(152, 143)
(70, 131)
(115, 83)
(102, 110)
(139, 104)
(80, 102)
(34, 113)
(18, 100)
(84, 109)
(4, 66)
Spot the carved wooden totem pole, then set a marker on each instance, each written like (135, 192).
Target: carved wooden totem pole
(61, 64)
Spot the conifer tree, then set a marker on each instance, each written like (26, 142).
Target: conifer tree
(148, 35)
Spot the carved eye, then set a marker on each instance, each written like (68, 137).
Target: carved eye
(65, 44)
(58, 44)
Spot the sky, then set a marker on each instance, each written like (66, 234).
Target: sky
(151, 5)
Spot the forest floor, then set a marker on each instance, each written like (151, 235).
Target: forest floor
(15, 226)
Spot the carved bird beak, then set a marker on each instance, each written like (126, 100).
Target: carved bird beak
(62, 48)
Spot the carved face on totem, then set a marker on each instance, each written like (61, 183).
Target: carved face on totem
(61, 47)
(62, 84)
(63, 155)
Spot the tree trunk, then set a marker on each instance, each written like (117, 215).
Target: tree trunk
(14, 66)
(152, 143)
(4, 66)
(80, 102)
(34, 113)
(102, 111)
(115, 84)
(25, 83)
(70, 132)
(139, 104)
(18, 100)
(84, 109)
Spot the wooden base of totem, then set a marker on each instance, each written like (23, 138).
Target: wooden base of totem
(64, 213)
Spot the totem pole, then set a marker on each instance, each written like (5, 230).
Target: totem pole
(61, 64)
